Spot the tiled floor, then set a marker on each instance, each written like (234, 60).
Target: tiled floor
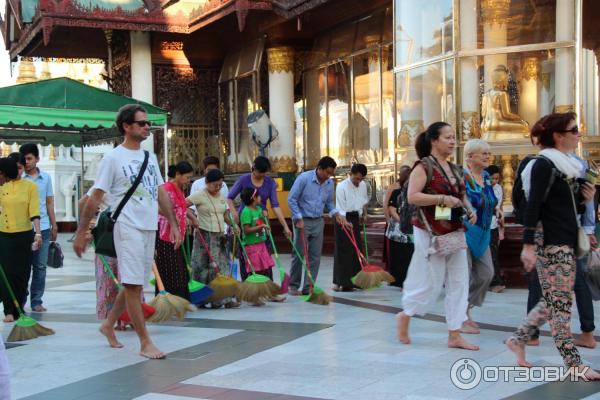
(289, 351)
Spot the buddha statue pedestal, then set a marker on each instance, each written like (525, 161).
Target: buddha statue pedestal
(498, 122)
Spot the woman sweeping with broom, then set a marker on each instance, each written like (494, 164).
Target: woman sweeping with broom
(19, 207)
(209, 252)
(170, 262)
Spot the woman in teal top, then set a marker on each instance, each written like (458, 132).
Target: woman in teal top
(480, 193)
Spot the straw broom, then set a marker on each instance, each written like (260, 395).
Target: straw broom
(25, 328)
(223, 286)
(256, 286)
(370, 275)
(166, 304)
(317, 295)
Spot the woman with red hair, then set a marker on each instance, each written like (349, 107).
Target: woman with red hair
(550, 184)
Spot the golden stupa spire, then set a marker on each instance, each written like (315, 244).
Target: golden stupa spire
(26, 71)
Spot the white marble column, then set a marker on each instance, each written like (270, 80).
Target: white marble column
(495, 19)
(545, 88)
(281, 108)
(141, 74)
(231, 157)
(373, 102)
(528, 103)
(410, 120)
(469, 75)
(565, 58)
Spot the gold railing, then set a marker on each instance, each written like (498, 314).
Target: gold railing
(192, 143)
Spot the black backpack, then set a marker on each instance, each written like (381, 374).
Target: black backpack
(519, 201)
(405, 210)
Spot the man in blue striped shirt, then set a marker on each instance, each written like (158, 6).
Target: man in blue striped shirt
(311, 193)
(48, 224)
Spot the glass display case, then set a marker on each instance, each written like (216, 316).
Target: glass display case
(491, 68)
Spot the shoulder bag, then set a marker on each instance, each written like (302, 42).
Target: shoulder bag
(444, 245)
(103, 231)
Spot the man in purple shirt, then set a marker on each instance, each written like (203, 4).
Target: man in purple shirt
(311, 193)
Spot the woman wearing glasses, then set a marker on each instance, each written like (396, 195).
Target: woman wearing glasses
(558, 135)
(212, 210)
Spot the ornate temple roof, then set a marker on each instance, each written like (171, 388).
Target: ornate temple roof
(27, 20)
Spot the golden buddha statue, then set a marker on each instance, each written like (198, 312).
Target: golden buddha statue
(498, 122)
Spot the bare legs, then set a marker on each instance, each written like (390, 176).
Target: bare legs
(130, 297)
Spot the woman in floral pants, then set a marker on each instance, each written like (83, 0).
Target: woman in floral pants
(550, 183)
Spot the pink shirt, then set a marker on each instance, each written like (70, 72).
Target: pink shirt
(180, 208)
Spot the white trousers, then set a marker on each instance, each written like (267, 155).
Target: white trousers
(4, 374)
(426, 277)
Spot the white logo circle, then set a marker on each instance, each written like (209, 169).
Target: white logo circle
(465, 373)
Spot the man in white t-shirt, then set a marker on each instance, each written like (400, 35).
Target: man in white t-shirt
(135, 230)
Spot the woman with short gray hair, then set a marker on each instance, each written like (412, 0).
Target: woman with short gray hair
(481, 196)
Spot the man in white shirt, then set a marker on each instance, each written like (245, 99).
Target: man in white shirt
(210, 162)
(135, 229)
(351, 200)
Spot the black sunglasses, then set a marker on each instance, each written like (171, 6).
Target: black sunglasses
(142, 123)
(572, 130)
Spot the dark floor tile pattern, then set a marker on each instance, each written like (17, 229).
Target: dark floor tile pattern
(154, 376)
(549, 391)
(217, 393)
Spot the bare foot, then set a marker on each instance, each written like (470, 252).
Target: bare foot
(149, 350)
(590, 374)
(8, 318)
(519, 351)
(586, 339)
(109, 333)
(471, 323)
(469, 328)
(277, 299)
(402, 321)
(457, 342)
(533, 342)
(259, 303)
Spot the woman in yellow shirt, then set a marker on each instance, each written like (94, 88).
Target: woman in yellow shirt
(19, 207)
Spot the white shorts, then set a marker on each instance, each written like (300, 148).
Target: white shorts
(135, 253)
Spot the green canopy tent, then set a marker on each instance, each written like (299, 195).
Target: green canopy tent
(65, 111)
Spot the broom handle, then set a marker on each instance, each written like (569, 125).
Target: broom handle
(271, 237)
(350, 234)
(312, 282)
(279, 266)
(242, 245)
(159, 282)
(107, 268)
(12, 294)
(366, 245)
(210, 257)
(186, 256)
(109, 271)
(297, 252)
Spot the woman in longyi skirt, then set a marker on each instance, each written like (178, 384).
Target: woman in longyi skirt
(170, 261)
